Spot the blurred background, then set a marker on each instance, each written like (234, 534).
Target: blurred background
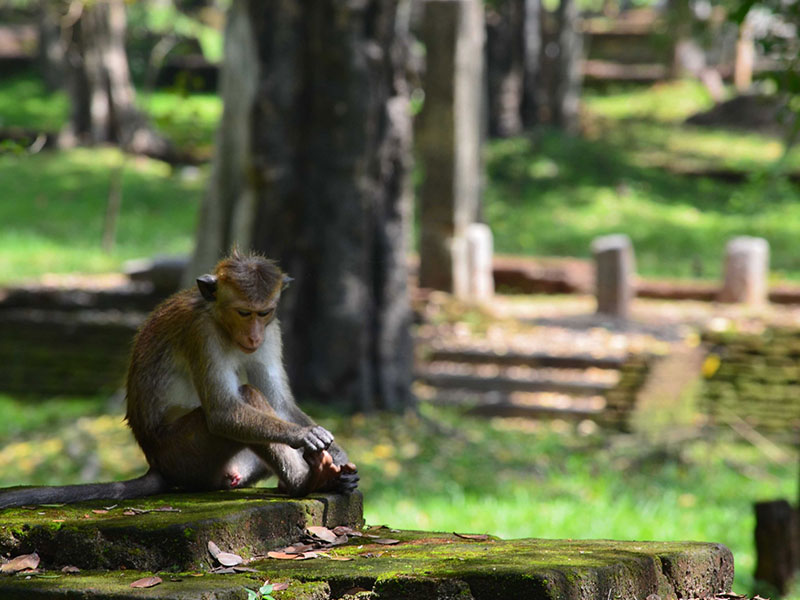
(543, 250)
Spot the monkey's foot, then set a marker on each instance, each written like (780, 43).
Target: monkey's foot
(234, 479)
(323, 471)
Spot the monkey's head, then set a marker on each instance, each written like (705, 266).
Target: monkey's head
(245, 291)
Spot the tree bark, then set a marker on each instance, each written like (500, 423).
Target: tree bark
(98, 81)
(569, 79)
(311, 169)
(505, 59)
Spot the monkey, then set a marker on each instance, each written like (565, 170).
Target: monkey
(208, 399)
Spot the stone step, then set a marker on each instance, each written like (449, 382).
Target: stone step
(431, 565)
(91, 535)
(576, 361)
(510, 384)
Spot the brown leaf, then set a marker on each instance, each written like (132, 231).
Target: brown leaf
(146, 582)
(298, 548)
(345, 530)
(21, 563)
(478, 537)
(213, 549)
(99, 511)
(227, 559)
(282, 555)
(323, 533)
(277, 587)
(70, 570)
(58, 520)
(387, 541)
(128, 513)
(306, 555)
(341, 558)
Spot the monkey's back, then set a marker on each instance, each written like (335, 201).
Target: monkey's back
(158, 377)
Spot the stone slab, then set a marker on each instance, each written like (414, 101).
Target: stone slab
(435, 565)
(248, 522)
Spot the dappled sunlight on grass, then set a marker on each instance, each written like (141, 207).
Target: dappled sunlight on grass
(552, 195)
(56, 223)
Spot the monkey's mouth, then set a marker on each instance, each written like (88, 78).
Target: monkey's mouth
(247, 349)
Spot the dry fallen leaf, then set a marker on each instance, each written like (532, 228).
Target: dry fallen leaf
(21, 563)
(306, 555)
(146, 582)
(298, 548)
(478, 537)
(128, 513)
(213, 549)
(345, 530)
(99, 511)
(282, 555)
(70, 570)
(341, 558)
(387, 541)
(228, 559)
(323, 533)
(277, 587)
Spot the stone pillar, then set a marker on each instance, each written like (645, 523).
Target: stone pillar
(746, 271)
(614, 273)
(449, 139)
(480, 250)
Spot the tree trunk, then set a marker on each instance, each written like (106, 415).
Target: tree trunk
(98, 81)
(569, 79)
(532, 67)
(311, 169)
(505, 66)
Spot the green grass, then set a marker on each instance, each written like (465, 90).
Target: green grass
(552, 195)
(52, 220)
(449, 473)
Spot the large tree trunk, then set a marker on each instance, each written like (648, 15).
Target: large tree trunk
(311, 169)
(98, 81)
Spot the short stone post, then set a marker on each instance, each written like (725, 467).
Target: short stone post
(614, 272)
(449, 140)
(480, 250)
(746, 271)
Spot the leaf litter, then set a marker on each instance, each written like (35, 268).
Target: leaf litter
(24, 562)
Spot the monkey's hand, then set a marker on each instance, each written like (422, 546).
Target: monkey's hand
(313, 439)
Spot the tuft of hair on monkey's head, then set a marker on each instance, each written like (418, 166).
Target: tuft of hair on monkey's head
(254, 276)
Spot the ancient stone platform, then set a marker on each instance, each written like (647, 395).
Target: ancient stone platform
(117, 549)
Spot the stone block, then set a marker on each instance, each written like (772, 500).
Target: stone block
(746, 271)
(92, 535)
(615, 270)
(480, 251)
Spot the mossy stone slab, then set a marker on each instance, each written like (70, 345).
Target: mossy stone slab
(174, 534)
(440, 566)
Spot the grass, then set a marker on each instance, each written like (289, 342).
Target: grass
(552, 195)
(445, 472)
(53, 218)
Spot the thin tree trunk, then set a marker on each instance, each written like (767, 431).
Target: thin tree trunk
(98, 82)
(505, 66)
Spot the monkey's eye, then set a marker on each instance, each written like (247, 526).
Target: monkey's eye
(265, 313)
(245, 313)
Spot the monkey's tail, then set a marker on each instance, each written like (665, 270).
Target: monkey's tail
(148, 484)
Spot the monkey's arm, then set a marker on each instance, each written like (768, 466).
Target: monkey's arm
(275, 386)
(235, 415)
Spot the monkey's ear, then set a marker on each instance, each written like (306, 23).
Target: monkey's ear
(286, 281)
(207, 284)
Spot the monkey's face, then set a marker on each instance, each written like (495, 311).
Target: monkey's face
(245, 321)
(246, 324)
